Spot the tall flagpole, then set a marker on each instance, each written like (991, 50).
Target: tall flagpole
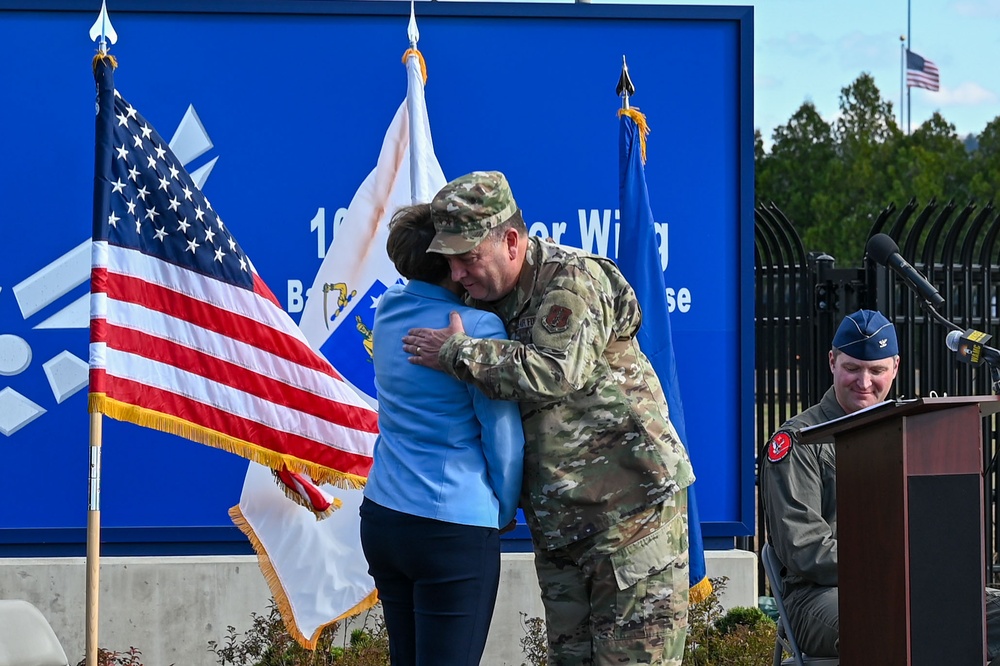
(902, 76)
(104, 78)
(413, 34)
(909, 47)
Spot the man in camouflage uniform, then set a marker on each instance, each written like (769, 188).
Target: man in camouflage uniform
(605, 475)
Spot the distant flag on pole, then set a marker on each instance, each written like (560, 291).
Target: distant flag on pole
(332, 583)
(921, 72)
(639, 260)
(185, 336)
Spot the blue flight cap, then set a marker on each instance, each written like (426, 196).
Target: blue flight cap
(867, 336)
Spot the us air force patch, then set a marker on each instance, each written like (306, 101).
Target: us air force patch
(557, 320)
(779, 446)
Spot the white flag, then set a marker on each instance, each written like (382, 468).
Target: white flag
(316, 569)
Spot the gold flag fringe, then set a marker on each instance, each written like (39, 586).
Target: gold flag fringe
(101, 403)
(278, 592)
(700, 591)
(104, 56)
(640, 122)
(420, 57)
(303, 502)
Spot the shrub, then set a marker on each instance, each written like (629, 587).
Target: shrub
(534, 644)
(739, 637)
(110, 658)
(268, 643)
(741, 616)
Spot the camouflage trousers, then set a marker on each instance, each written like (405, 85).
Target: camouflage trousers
(621, 596)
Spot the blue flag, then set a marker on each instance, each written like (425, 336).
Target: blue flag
(639, 260)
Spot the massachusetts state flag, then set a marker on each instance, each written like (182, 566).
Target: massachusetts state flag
(921, 72)
(185, 336)
(317, 570)
(639, 260)
(356, 271)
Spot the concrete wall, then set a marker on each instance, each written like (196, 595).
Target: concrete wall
(170, 607)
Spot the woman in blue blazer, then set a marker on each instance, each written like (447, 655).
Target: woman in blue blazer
(446, 473)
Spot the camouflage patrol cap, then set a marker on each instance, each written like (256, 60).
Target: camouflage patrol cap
(467, 208)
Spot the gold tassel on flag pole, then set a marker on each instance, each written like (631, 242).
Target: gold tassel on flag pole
(640, 121)
(626, 89)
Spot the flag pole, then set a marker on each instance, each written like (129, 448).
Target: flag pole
(624, 88)
(103, 65)
(94, 539)
(909, 43)
(413, 34)
(902, 76)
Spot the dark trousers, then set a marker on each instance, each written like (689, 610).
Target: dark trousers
(437, 583)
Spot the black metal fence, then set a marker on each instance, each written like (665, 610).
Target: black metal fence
(801, 296)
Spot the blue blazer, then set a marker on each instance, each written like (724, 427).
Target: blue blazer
(445, 451)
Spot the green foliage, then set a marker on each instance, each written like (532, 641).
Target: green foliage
(534, 644)
(132, 657)
(739, 637)
(268, 643)
(832, 179)
(742, 616)
(985, 164)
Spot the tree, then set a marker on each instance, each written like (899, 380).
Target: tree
(798, 166)
(984, 165)
(866, 135)
(932, 163)
(833, 179)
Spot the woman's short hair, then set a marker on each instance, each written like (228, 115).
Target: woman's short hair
(410, 234)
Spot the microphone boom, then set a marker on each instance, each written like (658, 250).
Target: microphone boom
(885, 252)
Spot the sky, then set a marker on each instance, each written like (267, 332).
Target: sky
(811, 49)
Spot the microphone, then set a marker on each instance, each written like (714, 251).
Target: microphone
(885, 252)
(971, 347)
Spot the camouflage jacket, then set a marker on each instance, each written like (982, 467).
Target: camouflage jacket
(599, 446)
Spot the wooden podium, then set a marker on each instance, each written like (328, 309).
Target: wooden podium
(910, 531)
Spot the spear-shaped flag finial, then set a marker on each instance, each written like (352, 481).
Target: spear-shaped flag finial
(103, 29)
(411, 30)
(625, 88)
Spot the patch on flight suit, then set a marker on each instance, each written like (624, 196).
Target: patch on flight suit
(779, 446)
(557, 320)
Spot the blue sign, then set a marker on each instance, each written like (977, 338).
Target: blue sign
(279, 110)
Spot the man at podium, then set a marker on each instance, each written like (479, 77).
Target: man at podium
(799, 485)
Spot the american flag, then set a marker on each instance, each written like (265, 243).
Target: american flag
(186, 337)
(921, 72)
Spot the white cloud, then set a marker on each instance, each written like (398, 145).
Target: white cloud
(859, 50)
(797, 43)
(964, 94)
(765, 82)
(977, 8)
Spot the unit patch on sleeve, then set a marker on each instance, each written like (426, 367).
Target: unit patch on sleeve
(557, 320)
(779, 446)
